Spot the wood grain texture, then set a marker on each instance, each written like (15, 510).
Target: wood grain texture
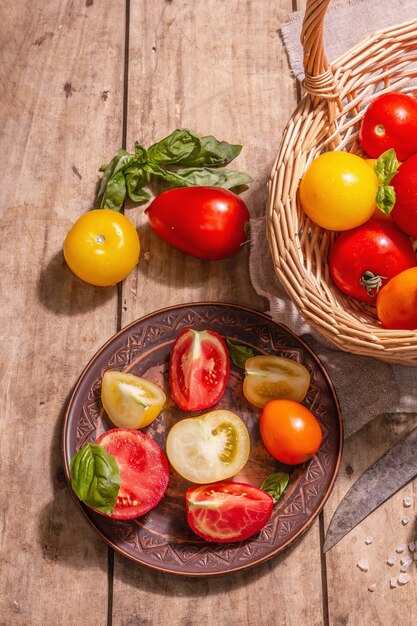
(217, 68)
(62, 65)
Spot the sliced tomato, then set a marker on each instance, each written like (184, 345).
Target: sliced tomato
(271, 377)
(227, 511)
(144, 471)
(214, 446)
(198, 370)
(130, 401)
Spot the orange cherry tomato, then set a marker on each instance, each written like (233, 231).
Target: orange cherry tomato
(290, 432)
(396, 304)
(102, 247)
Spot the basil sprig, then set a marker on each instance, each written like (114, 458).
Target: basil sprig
(385, 169)
(180, 160)
(239, 354)
(274, 484)
(95, 477)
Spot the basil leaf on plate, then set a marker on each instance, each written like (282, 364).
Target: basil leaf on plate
(275, 484)
(239, 354)
(95, 477)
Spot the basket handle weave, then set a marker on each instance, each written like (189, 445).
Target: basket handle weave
(319, 79)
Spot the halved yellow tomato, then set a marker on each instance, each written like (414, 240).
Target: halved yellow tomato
(130, 401)
(208, 448)
(273, 377)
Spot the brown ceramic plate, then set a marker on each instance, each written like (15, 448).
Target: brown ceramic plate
(161, 539)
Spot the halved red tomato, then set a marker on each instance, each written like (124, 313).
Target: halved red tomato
(227, 511)
(198, 369)
(144, 471)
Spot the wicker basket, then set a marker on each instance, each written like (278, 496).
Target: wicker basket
(328, 118)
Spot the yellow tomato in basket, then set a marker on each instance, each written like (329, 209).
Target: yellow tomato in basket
(338, 191)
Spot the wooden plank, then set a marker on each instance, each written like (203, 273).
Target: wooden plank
(217, 68)
(350, 602)
(62, 66)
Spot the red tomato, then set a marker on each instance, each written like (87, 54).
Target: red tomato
(396, 305)
(144, 471)
(198, 369)
(390, 121)
(404, 213)
(206, 222)
(227, 511)
(362, 260)
(290, 432)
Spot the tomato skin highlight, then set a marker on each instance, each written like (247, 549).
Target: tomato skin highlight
(390, 121)
(396, 304)
(102, 247)
(289, 431)
(198, 369)
(227, 511)
(206, 222)
(404, 213)
(144, 471)
(378, 247)
(338, 191)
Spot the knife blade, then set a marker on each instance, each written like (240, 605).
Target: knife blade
(380, 481)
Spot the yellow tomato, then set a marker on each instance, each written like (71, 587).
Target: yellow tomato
(130, 401)
(338, 191)
(273, 377)
(208, 448)
(102, 247)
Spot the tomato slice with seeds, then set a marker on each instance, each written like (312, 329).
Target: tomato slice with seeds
(269, 377)
(199, 369)
(144, 471)
(214, 446)
(227, 511)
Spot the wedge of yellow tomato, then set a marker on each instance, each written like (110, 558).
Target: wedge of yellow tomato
(273, 377)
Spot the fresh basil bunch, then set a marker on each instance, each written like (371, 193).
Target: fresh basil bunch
(180, 160)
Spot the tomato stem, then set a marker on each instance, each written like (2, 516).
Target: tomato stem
(372, 283)
(380, 130)
(100, 239)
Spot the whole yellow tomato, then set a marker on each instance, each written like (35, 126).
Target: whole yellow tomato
(102, 247)
(338, 191)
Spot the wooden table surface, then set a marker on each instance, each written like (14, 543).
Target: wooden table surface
(80, 79)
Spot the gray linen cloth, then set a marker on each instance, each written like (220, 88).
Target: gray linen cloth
(365, 387)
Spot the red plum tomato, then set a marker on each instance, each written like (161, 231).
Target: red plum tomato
(205, 222)
(364, 259)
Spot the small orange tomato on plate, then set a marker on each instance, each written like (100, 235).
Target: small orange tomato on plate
(289, 431)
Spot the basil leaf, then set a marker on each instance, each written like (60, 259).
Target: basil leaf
(114, 193)
(179, 145)
(95, 477)
(386, 166)
(120, 161)
(275, 484)
(385, 198)
(212, 153)
(203, 176)
(141, 154)
(238, 353)
(137, 176)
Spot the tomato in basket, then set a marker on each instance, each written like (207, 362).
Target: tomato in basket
(396, 304)
(227, 511)
(198, 369)
(390, 121)
(338, 191)
(404, 213)
(364, 259)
